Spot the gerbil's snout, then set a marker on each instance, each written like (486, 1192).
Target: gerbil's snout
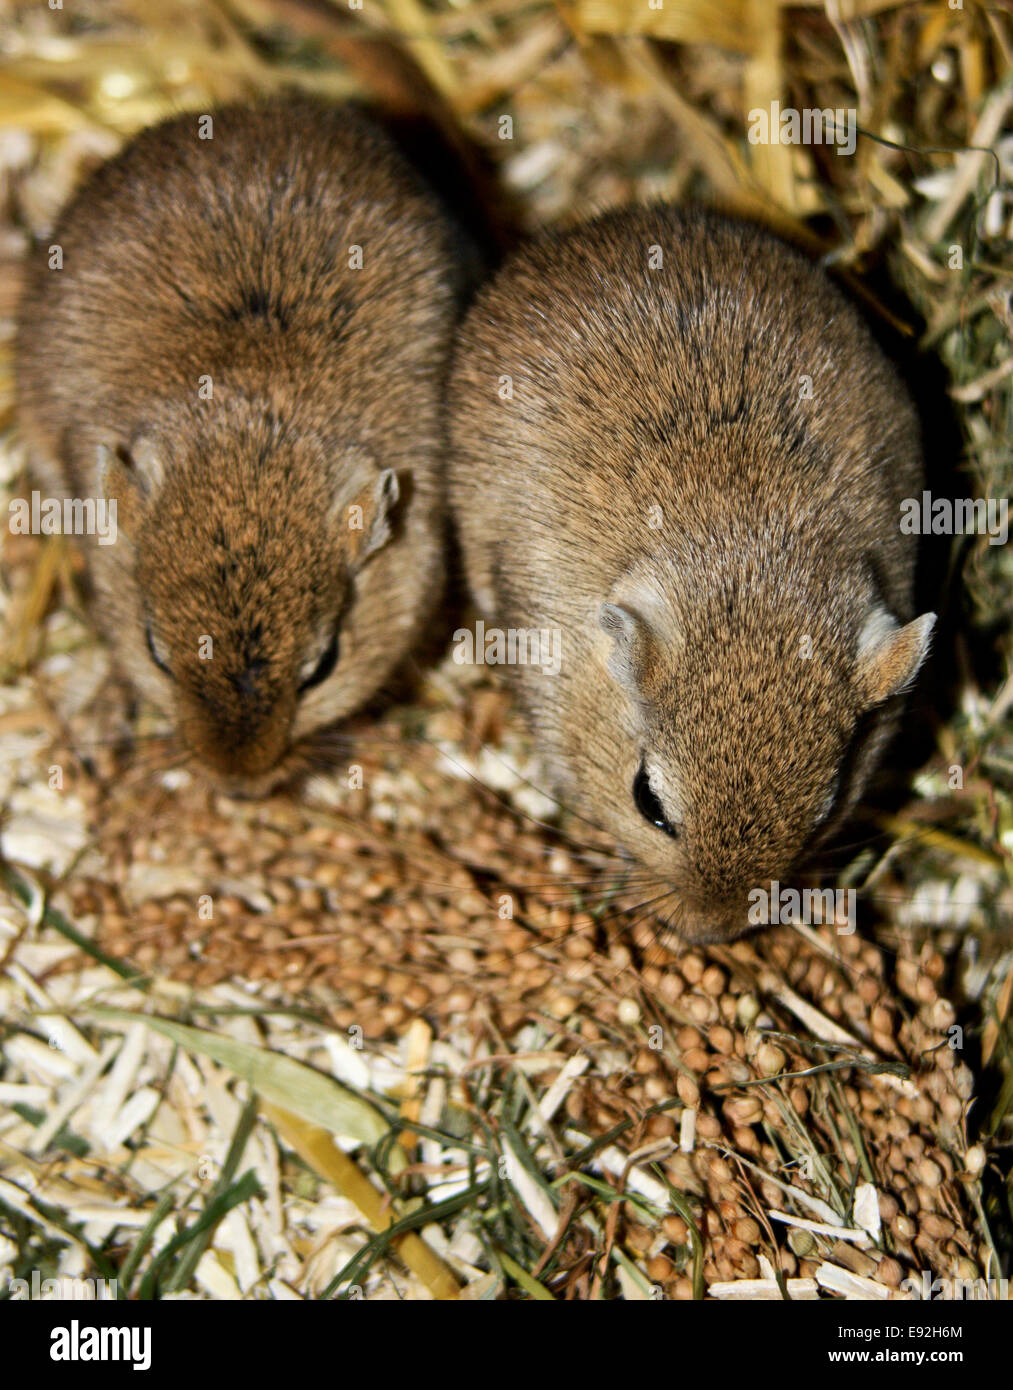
(734, 868)
(237, 729)
(713, 922)
(246, 770)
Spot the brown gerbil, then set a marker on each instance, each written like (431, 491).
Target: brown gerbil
(675, 444)
(246, 348)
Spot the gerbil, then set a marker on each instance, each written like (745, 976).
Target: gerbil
(246, 347)
(674, 441)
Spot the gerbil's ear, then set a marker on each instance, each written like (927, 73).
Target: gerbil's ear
(889, 655)
(367, 518)
(629, 644)
(130, 477)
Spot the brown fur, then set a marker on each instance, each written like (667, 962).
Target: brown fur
(679, 388)
(229, 258)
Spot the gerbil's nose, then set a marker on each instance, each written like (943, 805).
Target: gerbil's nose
(235, 748)
(249, 760)
(237, 754)
(237, 779)
(251, 788)
(708, 924)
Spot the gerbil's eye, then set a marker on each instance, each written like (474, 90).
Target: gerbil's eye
(322, 668)
(648, 804)
(157, 656)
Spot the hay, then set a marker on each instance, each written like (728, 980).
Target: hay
(564, 1104)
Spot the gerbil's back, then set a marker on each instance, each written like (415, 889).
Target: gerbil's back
(233, 257)
(681, 360)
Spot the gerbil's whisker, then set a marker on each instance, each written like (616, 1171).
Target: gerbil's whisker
(126, 740)
(322, 745)
(515, 810)
(647, 907)
(146, 768)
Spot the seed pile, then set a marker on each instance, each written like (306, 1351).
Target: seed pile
(778, 1074)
